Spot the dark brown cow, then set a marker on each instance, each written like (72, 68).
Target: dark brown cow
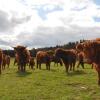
(1, 56)
(43, 57)
(68, 57)
(91, 50)
(8, 60)
(31, 62)
(22, 57)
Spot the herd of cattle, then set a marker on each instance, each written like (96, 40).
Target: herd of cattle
(88, 51)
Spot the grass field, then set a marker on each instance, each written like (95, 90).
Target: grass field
(49, 85)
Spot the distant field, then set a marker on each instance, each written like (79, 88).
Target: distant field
(49, 85)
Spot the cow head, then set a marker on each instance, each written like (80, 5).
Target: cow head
(19, 49)
(58, 52)
(90, 48)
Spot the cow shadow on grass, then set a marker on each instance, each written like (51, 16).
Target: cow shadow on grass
(77, 72)
(23, 74)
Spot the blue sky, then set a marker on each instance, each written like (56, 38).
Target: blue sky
(97, 2)
(41, 23)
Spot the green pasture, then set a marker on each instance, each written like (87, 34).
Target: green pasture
(49, 85)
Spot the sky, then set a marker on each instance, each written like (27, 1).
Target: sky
(45, 23)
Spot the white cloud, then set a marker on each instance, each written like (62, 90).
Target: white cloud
(38, 23)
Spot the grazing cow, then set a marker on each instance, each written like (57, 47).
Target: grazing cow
(68, 57)
(56, 60)
(22, 56)
(43, 57)
(91, 51)
(8, 60)
(1, 56)
(31, 62)
(4, 61)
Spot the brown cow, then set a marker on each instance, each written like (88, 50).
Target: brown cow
(31, 62)
(22, 57)
(43, 57)
(91, 50)
(68, 57)
(1, 56)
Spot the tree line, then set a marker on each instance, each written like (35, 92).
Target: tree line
(33, 51)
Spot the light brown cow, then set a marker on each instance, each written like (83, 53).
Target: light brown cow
(22, 57)
(91, 51)
(68, 57)
(43, 57)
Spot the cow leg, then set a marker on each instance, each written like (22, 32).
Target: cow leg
(46, 66)
(54, 63)
(39, 65)
(8, 65)
(49, 66)
(92, 66)
(99, 77)
(67, 67)
(70, 67)
(57, 64)
(4, 66)
(98, 70)
(82, 64)
(78, 64)
(24, 68)
(31, 66)
(97, 67)
(74, 66)
(60, 63)
(19, 68)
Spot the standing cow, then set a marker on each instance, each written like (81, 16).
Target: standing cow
(68, 57)
(91, 51)
(22, 57)
(43, 57)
